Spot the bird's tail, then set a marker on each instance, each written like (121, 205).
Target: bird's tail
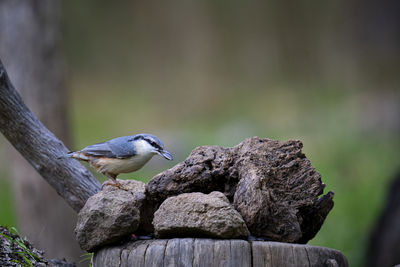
(78, 155)
(75, 155)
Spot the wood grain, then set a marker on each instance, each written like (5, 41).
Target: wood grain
(200, 252)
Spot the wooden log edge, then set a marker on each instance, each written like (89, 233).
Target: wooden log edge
(199, 252)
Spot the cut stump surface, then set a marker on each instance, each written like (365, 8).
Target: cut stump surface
(215, 252)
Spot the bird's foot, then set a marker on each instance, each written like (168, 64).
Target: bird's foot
(115, 184)
(120, 186)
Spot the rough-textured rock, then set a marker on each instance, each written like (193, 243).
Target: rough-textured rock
(271, 183)
(197, 252)
(110, 215)
(277, 183)
(207, 169)
(199, 215)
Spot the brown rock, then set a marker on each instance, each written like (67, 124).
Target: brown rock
(198, 215)
(110, 215)
(271, 183)
(277, 183)
(207, 169)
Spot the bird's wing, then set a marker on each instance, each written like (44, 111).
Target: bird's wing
(99, 150)
(116, 148)
(122, 146)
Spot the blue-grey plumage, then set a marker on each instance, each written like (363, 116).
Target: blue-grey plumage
(122, 154)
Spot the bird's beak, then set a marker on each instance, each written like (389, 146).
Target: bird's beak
(164, 153)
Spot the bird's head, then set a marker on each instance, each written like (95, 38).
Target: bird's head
(147, 143)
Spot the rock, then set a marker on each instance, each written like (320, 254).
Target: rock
(271, 183)
(207, 169)
(277, 184)
(110, 215)
(198, 215)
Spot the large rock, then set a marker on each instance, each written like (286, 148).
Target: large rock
(271, 183)
(278, 188)
(198, 215)
(110, 215)
(207, 169)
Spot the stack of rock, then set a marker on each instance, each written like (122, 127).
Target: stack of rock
(261, 187)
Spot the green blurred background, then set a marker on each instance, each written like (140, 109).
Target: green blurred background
(215, 72)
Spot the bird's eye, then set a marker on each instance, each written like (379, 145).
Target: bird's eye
(154, 144)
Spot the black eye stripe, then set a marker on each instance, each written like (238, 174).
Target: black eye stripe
(155, 145)
(151, 142)
(148, 140)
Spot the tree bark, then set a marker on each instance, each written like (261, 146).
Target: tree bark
(73, 182)
(41, 149)
(213, 252)
(29, 45)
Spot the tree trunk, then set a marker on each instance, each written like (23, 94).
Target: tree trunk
(384, 244)
(29, 46)
(211, 252)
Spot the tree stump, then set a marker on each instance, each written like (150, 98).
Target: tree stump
(214, 252)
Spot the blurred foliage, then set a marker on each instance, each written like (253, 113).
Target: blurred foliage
(7, 214)
(212, 73)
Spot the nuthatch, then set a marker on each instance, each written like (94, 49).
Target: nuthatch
(122, 154)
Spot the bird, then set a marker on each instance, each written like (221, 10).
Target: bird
(123, 154)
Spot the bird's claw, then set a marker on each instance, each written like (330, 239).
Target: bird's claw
(115, 184)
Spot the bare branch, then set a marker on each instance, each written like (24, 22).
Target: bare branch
(42, 149)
